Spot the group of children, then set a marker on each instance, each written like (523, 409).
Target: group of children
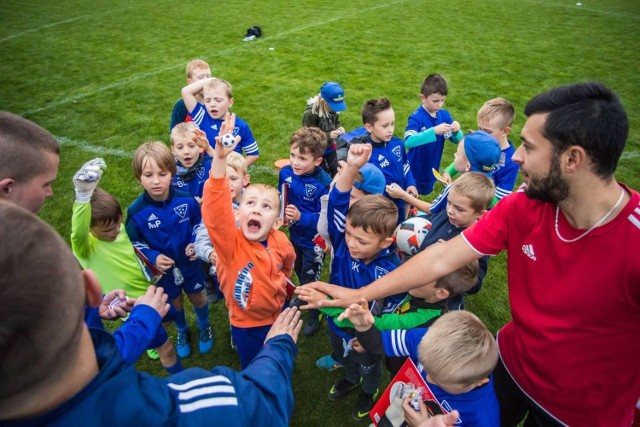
(199, 221)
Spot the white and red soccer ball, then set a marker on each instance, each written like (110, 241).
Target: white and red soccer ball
(410, 234)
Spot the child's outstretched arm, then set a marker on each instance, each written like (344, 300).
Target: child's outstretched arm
(85, 182)
(395, 191)
(200, 139)
(359, 315)
(189, 93)
(357, 157)
(219, 164)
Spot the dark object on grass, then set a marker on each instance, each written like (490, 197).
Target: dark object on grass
(252, 33)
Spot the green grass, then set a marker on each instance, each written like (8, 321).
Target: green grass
(103, 77)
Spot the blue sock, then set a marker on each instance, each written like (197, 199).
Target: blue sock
(202, 316)
(181, 322)
(177, 367)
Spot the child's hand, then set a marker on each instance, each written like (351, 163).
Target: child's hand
(442, 128)
(86, 179)
(359, 315)
(288, 322)
(310, 295)
(164, 263)
(213, 257)
(395, 191)
(190, 251)
(292, 214)
(421, 418)
(455, 126)
(115, 304)
(413, 191)
(228, 126)
(446, 177)
(358, 155)
(200, 139)
(156, 299)
(355, 345)
(336, 133)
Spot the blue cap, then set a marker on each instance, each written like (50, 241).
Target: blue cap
(373, 181)
(483, 151)
(333, 93)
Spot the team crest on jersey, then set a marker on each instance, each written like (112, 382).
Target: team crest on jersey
(181, 210)
(200, 173)
(310, 189)
(381, 272)
(397, 150)
(243, 286)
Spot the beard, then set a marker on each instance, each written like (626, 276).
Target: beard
(552, 188)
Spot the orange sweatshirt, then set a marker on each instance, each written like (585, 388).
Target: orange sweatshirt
(252, 277)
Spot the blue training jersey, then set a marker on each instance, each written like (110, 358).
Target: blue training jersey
(304, 193)
(211, 127)
(192, 180)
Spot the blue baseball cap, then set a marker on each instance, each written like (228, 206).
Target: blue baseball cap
(333, 93)
(483, 151)
(373, 181)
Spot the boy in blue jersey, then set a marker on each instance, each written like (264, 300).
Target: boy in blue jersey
(192, 166)
(387, 151)
(209, 115)
(455, 356)
(162, 224)
(66, 374)
(197, 69)
(307, 182)
(426, 131)
(495, 117)
(361, 236)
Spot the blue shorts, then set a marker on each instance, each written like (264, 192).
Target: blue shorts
(194, 279)
(249, 342)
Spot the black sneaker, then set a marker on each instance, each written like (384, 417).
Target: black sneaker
(313, 323)
(297, 302)
(363, 405)
(341, 389)
(210, 290)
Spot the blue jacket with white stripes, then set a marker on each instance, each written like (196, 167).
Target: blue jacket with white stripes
(260, 395)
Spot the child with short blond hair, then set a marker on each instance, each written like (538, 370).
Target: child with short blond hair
(162, 224)
(209, 113)
(455, 356)
(196, 69)
(192, 154)
(254, 258)
(307, 182)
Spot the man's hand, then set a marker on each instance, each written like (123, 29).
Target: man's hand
(359, 315)
(288, 322)
(342, 297)
(164, 263)
(156, 299)
(86, 179)
(358, 155)
(115, 304)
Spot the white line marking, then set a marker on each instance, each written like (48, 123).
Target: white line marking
(86, 146)
(222, 53)
(573, 6)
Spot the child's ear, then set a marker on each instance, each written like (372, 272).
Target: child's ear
(442, 293)
(230, 102)
(386, 243)
(5, 187)
(507, 131)
(318, 161)
(93, 290)
(278, 223)
(246, 180)
(482, 382)
(368, 127)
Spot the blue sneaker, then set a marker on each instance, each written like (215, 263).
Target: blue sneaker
(328, 362)
(183, 347)
(205, 341)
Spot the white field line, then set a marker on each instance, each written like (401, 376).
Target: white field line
(630, 155)
(86, 146)
(55, 24)
(222, 53)
(571, 5)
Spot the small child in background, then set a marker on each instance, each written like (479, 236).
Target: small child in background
(101, 244)
(307, 182)
(254, 258)
(388, 152)
(456, 356)
(426, 131)
(238, 179)
(210, 113)
(495, 117)
(197, 69)
(192, 167)
(323, 111)
(162, 224)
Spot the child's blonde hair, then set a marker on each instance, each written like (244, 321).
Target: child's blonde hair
(309, 140)
(214, 84)
(497, 107)
(196, 64)
(184, 129)
(237, 162)
(319, 106)
(157, 151)
(374, 213)
(478, 187)
(271, 191)
(458, 349)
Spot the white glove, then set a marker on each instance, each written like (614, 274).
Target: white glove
(86, 179)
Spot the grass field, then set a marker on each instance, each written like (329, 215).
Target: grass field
(103, 76)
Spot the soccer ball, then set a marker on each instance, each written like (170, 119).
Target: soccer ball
(410, 234)
(228, 139)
